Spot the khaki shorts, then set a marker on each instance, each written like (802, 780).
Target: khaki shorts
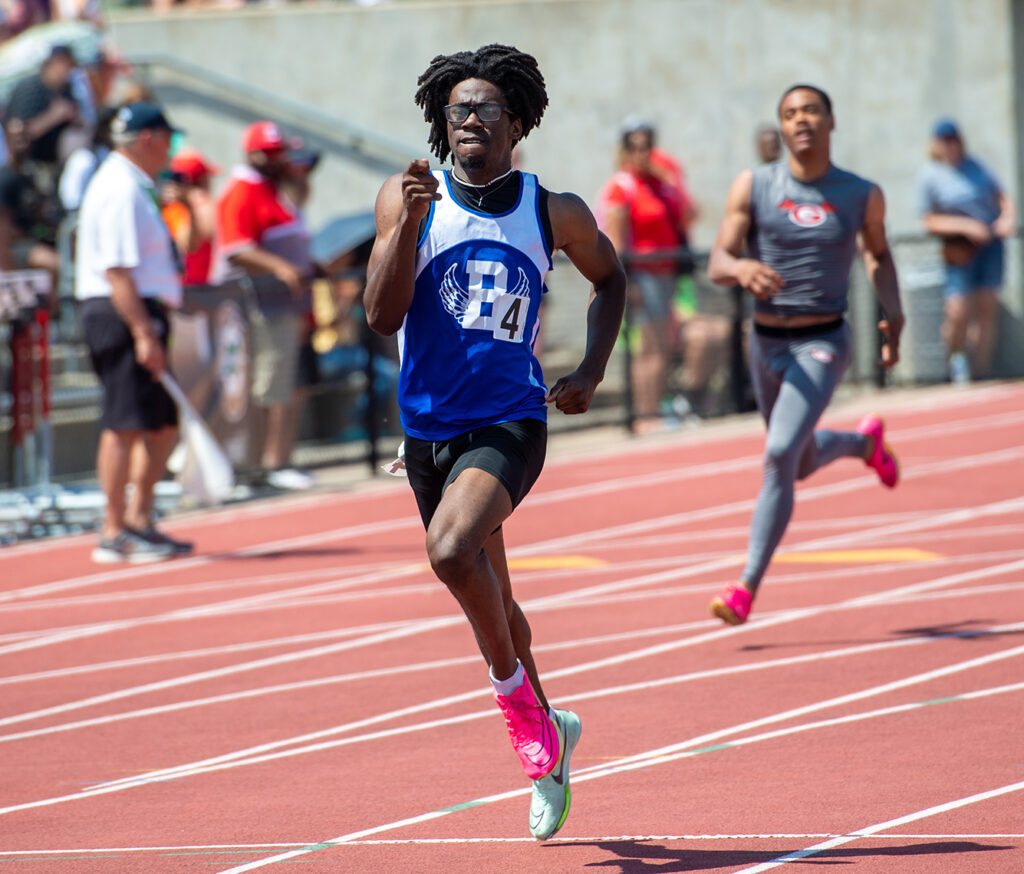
(275, 356)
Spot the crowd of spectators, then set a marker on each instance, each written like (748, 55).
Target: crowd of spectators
(57, 123)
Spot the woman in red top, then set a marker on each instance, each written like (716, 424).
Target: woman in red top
(646, 210)
(190, 213)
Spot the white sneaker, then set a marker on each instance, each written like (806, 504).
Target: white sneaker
(131, 547)
(291, 479)
(549, 805)
(959, 369)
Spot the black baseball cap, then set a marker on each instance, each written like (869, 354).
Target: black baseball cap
(139, 117)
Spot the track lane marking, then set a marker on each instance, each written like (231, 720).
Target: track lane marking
(872, 830)
(586, 775)
(414, 628)
(348, 532)
(259, 754)
(273, 845)
(829, 491)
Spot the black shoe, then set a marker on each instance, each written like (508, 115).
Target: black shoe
(158, 538)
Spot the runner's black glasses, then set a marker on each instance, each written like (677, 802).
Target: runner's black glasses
(457, 113)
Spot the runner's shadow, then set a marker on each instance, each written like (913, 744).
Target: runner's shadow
(961, 630)
(642, 857)
(279, 554)
(965, 629)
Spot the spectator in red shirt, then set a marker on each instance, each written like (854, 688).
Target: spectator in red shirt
(191, 213)
(259, 233)
(647, 209)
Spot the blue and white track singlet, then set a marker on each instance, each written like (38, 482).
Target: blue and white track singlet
(466, 345)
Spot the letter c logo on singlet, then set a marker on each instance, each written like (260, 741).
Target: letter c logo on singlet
(807, 215)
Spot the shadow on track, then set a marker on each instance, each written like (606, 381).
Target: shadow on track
(640, 857)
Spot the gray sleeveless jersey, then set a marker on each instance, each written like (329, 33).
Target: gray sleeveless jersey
(807, 233)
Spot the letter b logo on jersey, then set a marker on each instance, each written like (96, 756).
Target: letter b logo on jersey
(479, 297)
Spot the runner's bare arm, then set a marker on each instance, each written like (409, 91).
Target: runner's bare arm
(576, 233)
(881, 271)
(726, 266)
(403, 201)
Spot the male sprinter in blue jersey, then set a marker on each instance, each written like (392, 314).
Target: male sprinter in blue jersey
(800, 219)
(457, 270)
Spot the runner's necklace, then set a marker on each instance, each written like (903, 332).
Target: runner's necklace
(498, 184)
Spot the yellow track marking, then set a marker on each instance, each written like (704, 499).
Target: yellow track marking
(554, 562)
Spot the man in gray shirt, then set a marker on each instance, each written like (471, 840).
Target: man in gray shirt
(800, 219)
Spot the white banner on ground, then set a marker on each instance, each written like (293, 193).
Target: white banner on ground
(206, 472)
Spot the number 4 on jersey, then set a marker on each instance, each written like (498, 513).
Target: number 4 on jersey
(490, 306)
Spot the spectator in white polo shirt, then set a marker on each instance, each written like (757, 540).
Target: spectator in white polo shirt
(127, 276)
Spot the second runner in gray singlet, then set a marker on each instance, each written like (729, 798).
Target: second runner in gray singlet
(807, 233)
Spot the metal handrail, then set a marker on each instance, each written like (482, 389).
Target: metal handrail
(262, 103)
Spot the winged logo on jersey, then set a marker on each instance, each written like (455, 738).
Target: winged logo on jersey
(455, 298)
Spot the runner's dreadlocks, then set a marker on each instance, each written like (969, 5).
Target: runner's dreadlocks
(514, 72)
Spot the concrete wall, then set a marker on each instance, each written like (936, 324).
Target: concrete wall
(706, 71)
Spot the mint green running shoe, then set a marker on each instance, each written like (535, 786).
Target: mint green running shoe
(549, 805)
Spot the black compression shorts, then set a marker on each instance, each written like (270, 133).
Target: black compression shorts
(512, 452)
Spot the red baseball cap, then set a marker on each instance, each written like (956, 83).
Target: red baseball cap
(192, 165)
(263, 136)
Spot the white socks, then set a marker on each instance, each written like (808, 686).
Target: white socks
(507, 687)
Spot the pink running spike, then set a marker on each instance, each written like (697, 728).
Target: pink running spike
(882, 460)
(733, 605)
(534, 735)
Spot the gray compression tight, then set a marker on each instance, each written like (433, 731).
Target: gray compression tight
(793, 381)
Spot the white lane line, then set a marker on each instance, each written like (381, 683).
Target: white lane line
(375, 673)
(627, 763)
(208, 610)
(473, 659)
(225, 761)
(349, 532)
(273, 750)
(419, 627)
(329, 649)
(583, 776)
(677, 591)
(180, 564)
(184, 655)
(826, 491)
(275, 845)
(753, 461)
(547, 602)
(818, 574)
(190, 588)
(872, 830)
(245, 694)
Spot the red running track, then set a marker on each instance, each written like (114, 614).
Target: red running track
(303, 692)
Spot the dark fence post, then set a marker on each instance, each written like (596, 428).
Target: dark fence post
(372, 457)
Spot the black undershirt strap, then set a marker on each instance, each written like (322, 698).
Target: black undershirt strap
(501, 199)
